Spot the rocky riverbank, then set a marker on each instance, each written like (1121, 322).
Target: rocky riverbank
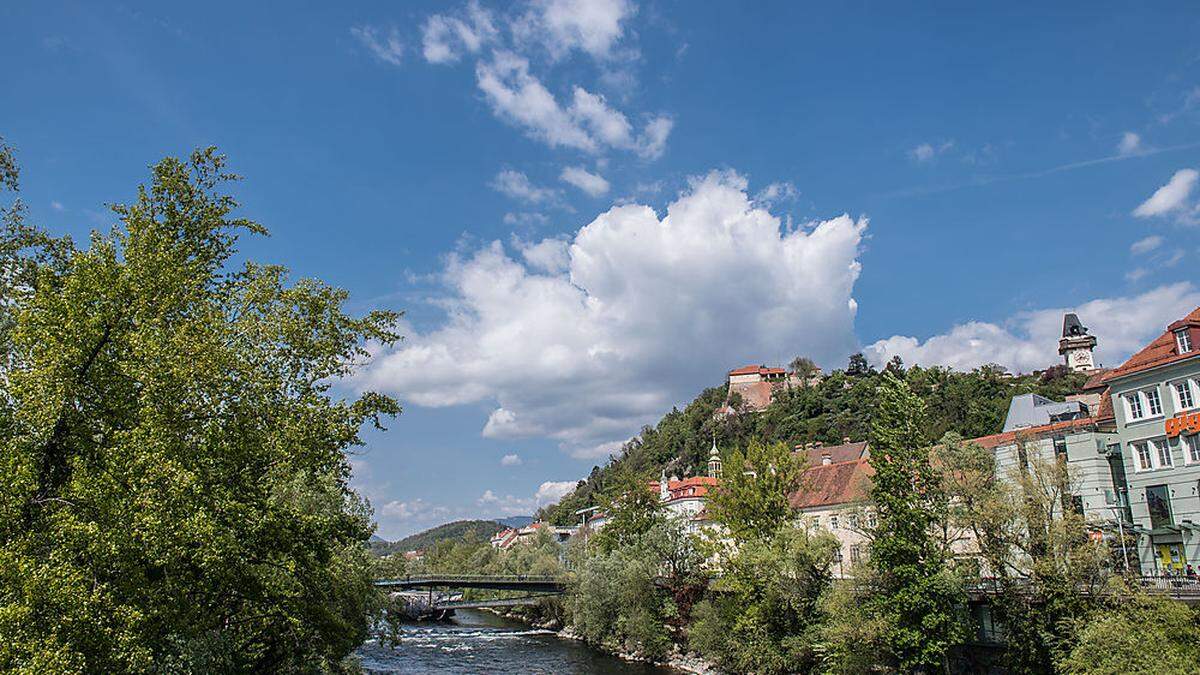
(677, 660)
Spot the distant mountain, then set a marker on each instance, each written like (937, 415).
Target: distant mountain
(515, 521)
(459, 529)
(376, 539)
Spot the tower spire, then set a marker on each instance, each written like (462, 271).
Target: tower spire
(714, 459)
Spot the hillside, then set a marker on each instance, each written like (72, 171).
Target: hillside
(970, 403)
(457, 530)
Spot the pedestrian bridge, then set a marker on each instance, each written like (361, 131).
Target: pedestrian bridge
(534, 587)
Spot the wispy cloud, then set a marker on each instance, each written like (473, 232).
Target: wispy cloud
(385, 47)
(590, 183)
(517, 185)
(1146, 244)
(1130, 144)
(925, 190)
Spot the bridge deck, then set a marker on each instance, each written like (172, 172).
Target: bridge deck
(543, 584)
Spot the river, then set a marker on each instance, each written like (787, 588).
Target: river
(479, 642)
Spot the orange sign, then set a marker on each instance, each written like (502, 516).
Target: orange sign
(1189, 422)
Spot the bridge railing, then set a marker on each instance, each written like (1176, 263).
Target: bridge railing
(1176, 586)
(450, 579)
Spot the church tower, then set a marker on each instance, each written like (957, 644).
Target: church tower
(1076, 345)
(714, 461)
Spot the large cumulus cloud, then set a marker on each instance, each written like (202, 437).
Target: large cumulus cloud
(585, 339)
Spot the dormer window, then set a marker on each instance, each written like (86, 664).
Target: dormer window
(1183, 341)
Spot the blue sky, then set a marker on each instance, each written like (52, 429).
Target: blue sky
(591, 210)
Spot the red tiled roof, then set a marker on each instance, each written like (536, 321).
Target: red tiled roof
(1004, 438)
(696, 486)
(845, 452)
(1160, 352)
(832, 484)
(1096, 381)
(757, 370)
(1105, 411)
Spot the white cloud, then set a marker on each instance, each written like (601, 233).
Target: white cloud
(411, 510)
(548, 255)
(520, 98)
(1029, 340)
(1136, 274)
(775, 193)
(605, 123)
(57, 206)
(552, 491)
(591, 26)
(525, 218)
(444, 38)
(387, 48)
(592, 184)
(584, 347)
(518, 186)
(925, 152)
(510, 460)
(653, 139)
(1171, 197)
(1130, 144)
(589, 123)
(547, 493)
(1146, 244)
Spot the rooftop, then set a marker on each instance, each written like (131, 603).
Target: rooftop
(1161, 351)
(833, 484)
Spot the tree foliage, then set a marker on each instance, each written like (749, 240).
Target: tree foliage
(916, 595)
(837, 406)
(752, 500)
(174, 490)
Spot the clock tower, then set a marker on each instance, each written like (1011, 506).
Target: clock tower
(1076, 345)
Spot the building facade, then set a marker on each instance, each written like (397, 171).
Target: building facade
(1156, 402)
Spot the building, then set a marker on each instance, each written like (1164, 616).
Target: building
(504, 538)
(507, 538)
(1031, 410)
(1156, 405)
(755, 386)
(835, 496)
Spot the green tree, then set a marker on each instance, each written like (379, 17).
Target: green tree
(916, 595)
(764, 615)
(633, 510)
(173, 489)
(753, 499)
(1134, 634)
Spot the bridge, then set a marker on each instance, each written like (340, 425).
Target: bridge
(1182, 589)
(536, 587)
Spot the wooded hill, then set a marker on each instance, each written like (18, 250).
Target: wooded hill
(971, 403)
(455, 531)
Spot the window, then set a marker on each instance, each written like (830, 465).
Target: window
(1060, 447)
(1162, 452)
(871, 522)
(1134, 403)
(1183, 341)
(1158, 502)
(1183, 395)
(855, 553)
(854, 521)
(1191, 449)
(833, 522)
(1141, 453)
(1154, 401)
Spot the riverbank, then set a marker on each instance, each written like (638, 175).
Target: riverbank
(678, 660)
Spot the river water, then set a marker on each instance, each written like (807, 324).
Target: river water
(479, 642)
